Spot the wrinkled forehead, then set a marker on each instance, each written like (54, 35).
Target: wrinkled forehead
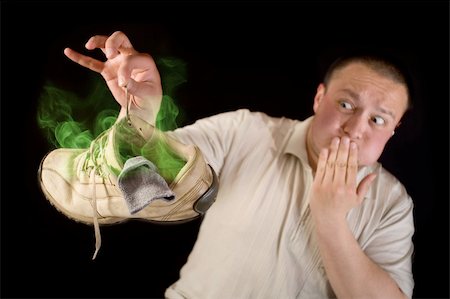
(375, 69)
(360, 80)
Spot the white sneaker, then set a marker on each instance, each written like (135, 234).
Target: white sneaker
(82, 183)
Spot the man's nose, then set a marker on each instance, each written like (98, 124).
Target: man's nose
(355, 126)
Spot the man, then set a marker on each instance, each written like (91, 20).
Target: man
(303, 210)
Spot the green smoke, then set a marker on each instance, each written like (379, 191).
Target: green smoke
(69, 120)
(58, 108)
(173, 73)
(131, 144)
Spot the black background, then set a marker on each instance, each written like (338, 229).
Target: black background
(266, 56)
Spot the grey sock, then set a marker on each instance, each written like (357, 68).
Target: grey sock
(141, 183)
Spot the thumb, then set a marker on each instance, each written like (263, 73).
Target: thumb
(364, 186)
(144, 90)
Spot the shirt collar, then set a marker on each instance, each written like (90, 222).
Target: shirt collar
(296, 143)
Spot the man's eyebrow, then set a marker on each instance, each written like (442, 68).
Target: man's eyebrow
(356, 97)
(388, 112)
(353, 94)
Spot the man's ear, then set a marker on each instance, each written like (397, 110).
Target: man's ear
(319, 96)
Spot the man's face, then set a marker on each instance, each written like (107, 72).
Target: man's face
(358, 103)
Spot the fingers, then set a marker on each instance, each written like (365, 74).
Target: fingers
(83, 60)
(331, 161)
(113, 45)
(321, 165)
(118, 43)
(342, 162)
(141, 66)
(97, 41)
(139, 74)
(340, 170)
(352, 166)
(335, 182)
(143, 90)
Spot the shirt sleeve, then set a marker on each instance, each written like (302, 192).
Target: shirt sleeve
(390, 244)
(214, 135)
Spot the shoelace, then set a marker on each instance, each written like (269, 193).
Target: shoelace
(92, 167)
(98, 237)
(96, 153)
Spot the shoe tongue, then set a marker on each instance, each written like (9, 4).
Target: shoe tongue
(125, 141)
(139, 138)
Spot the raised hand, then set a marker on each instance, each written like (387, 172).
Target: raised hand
(125, 68)
(335, 190)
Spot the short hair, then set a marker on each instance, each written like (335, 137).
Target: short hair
(384, 66)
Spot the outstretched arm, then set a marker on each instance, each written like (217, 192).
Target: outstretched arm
(125, 68)
(351, 272)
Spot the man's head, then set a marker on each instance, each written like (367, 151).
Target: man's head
(362, 97)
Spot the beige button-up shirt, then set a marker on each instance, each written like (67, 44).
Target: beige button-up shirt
(256, 240)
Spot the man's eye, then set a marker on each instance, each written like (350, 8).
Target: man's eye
(346, 105)
(378, 120)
